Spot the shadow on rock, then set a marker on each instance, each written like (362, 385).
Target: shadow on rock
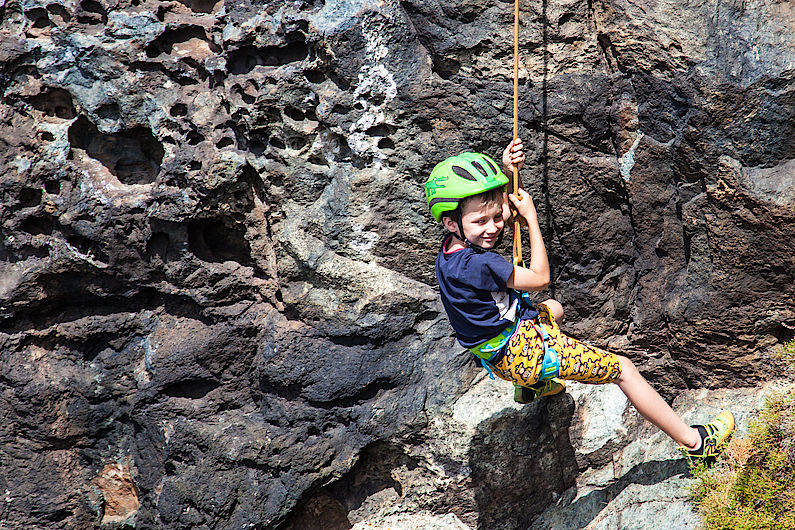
(521, 460)
(360, 492)
(583, 510)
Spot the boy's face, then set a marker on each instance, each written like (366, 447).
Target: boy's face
(482, 222)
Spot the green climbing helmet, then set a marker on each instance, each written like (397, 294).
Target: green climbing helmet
(458, 177)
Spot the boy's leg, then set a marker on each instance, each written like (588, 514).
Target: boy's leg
(698, 441)
(521, 365)
(653, 407)
(555, 309)
(524, 353)
(585, 363)
(523, 394)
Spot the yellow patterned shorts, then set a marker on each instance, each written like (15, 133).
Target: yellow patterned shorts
(524, 355)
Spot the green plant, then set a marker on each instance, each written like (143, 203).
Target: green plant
(754, 486)
(787, 354)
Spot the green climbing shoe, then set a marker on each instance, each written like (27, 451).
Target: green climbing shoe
(550, 387)
(715, 436)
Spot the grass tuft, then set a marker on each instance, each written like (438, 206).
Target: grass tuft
(754, 486)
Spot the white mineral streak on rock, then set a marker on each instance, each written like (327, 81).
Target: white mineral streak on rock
(167, 429)
(65, 249)
(628, 159)
(144, 366)
(376, 82)
(363, 240)
(22, 164)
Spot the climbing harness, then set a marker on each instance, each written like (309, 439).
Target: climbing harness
(487, 351)
(550, 366)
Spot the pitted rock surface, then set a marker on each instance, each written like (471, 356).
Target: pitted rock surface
(217, 304)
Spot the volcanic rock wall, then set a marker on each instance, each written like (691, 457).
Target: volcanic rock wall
(216, 286)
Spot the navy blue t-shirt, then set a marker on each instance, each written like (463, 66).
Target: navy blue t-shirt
(475, 293)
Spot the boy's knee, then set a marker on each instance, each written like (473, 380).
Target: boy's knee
(628, 369)
(555, 308)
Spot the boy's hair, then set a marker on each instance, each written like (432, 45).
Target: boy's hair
(488, 198)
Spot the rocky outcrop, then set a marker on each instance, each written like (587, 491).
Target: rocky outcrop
(583, 459)
(216, 286)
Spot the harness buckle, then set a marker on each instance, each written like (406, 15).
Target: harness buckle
(550, 366)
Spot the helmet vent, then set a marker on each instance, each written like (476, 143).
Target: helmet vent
(494, 169)
(480, 168)
(463, 173)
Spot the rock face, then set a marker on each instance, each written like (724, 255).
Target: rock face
(217, 305)
(583, 459)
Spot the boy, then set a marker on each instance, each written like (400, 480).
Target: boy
(485, 298)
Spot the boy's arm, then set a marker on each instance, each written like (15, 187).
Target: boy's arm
(535, 277)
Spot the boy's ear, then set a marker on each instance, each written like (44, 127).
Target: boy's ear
(449, 224)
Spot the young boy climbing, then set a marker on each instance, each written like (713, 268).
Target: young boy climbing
(486, 301)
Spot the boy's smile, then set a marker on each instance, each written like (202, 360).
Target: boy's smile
(482, 223)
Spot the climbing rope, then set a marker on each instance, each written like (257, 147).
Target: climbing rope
(516, 181)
